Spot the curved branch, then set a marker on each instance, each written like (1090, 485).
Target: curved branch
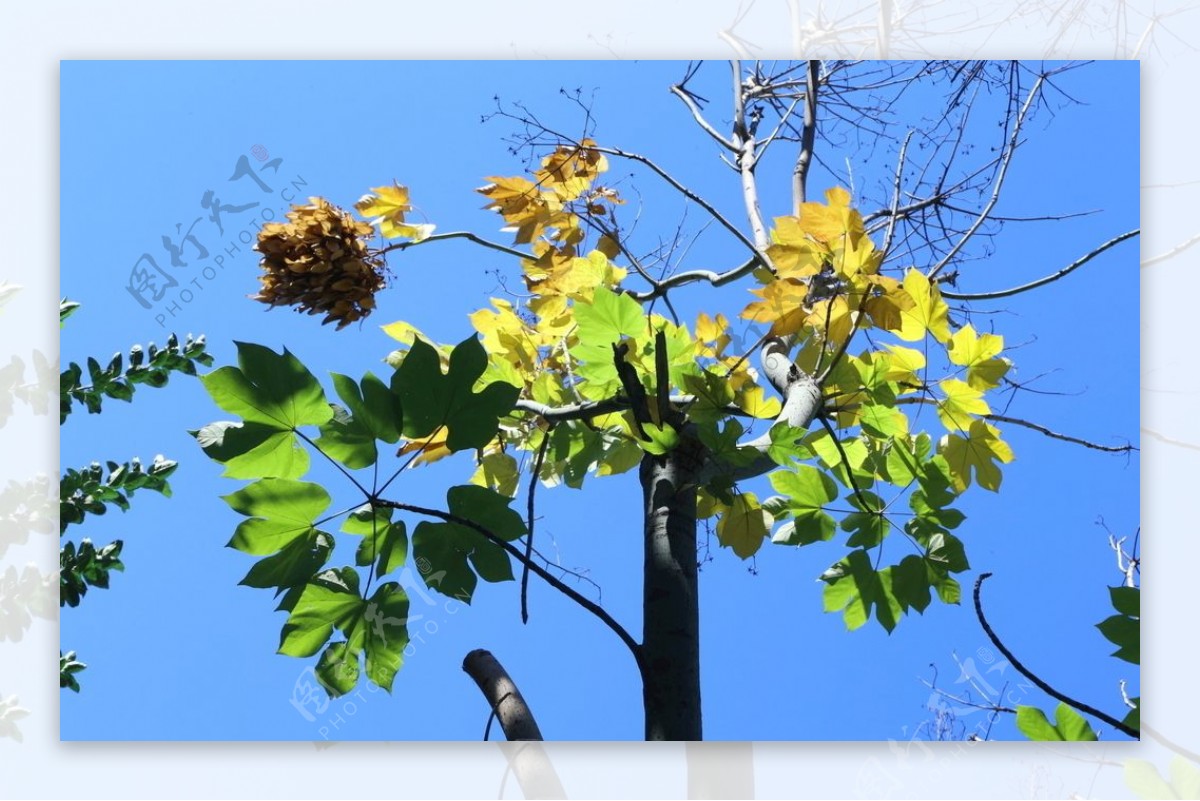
(1082, 260)
(478, 240)
(686, 97)
(694, 276)
(545, 575)
(502, 695)
(1043, 686)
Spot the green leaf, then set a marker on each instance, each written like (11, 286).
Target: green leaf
(608, 318)
(1126, 600)
(868, 524)
(269, 388)
(321, 606)
(342, 438)
(253, 450)
(807, 491)
(1124, 632)
(385, 618)
(787, 444)
(662, 438)
(432, 399)
(295, 564)
(1069, 725)
(281, 510)
(854, 588)
(910, 583)
(337, 669)
(383, 540)
(448, 547)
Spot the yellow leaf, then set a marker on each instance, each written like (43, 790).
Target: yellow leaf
(745, 525)
(962, 401)
(431, 448)
(712, 335)
(885, 301)
(978, 451)
(977, 354)
(903, 364)
(498, 471)
(781, 305)
(831, 320)
(928, 312)
(387, 201)
(386, 208)
(753, 401)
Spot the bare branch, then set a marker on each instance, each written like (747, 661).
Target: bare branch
(887, 238)
(1017, 421)
(1064, 437)
(686, 97)
(808, 135)
(1082, 260)
(695, 276)
(1043, 686)
(478, 240)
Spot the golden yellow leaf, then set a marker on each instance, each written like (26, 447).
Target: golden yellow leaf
(781, 305)
(928, 313)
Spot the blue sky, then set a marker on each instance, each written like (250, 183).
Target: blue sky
(176, 650)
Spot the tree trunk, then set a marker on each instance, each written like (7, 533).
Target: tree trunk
(670, 604)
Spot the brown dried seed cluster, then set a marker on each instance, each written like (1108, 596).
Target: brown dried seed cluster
(320, 262)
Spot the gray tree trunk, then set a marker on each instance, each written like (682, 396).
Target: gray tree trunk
(670, 603)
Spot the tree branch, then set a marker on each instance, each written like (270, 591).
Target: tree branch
(887, 238)
(1043, 686)
(694, 276)
(808, 135)
(1055, 435)
(478, 240)
(502, 695)
(1082, 260)
(686, 97)
(1017, 421)
(545, 575)
(533, 482)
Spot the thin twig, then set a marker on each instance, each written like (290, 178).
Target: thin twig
(686, 97)
(1005, 160)
(545, 575)
(533, 482)
(478, 240)
(1043, 686)
(887, 238)
(1082, 260)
